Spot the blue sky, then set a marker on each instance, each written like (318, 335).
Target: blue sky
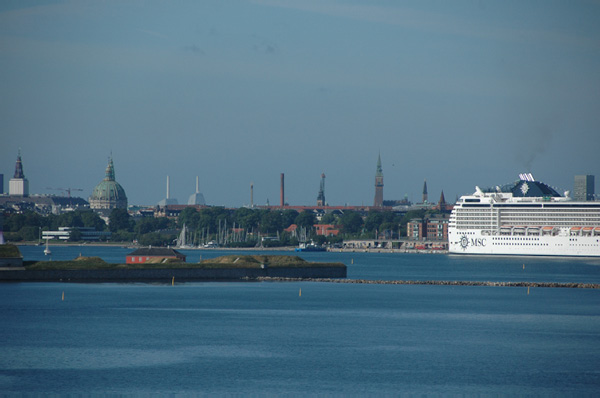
(459, 93)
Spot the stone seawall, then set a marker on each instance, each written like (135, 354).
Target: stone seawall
(572, 285)
(167, 275)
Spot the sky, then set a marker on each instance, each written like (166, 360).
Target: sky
(459, 94)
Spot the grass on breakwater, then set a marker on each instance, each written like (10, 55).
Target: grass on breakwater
(8, 251)
(224, 262)
(258, 261)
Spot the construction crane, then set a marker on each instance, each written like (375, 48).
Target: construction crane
(67, 190)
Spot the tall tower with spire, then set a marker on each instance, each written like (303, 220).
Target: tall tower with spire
(18, 185)
(378, 202)
(425, 191)
(321, 197)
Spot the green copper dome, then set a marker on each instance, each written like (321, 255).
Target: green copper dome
(108, 194)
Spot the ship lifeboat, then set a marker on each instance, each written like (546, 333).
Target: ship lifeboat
(505, 230)
(597, 231)
(587, 230)
(519, 231)
(575, 230)
(547, 230)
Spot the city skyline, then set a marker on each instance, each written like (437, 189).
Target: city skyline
(458, 94)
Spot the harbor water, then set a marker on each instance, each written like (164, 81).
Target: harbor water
(309, 338)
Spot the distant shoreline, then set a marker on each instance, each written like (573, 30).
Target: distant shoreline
(282, 248)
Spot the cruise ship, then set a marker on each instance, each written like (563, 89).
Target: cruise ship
(524, 218)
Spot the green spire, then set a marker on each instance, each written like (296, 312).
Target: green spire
(110, 171)
(379, 172)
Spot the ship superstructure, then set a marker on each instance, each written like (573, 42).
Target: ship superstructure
(524, 218)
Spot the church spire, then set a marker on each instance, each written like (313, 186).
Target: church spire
(378, 202)
(425, 191)
(321, 197)
(19, 167)
(379, 172)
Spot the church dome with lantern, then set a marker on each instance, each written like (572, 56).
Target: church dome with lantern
(108, 194)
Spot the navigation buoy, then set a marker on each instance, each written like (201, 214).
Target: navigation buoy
(173, 282)
(300, 293)
(63, 296)
(352, 261)
(523, 266)
(528, 290)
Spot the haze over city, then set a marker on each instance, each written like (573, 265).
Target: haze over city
(458, 93)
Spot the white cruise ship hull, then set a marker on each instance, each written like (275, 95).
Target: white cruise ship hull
(474, 242)
(526, 218)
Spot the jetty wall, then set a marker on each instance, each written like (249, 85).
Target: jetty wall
(167, 275)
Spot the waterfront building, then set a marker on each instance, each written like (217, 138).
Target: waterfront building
(414, 229)
(83, 233)
(434, 227)
(437, 227)
(327, 229)
(583, 188)
(378, 202)
(154, 255)
(18, 185)
(108, 194)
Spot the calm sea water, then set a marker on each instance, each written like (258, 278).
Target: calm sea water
(309, 338)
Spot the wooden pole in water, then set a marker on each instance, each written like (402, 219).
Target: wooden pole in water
(173, 282)
(63, 295)
(528, 290)
(300, 293)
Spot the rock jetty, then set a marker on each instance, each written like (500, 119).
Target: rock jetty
(573, 285)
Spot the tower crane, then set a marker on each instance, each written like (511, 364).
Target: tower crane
(67, 190)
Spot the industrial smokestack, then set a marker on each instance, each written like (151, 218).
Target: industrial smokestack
(281, 193)
(168, 187)
(251, 194)
(197, 185)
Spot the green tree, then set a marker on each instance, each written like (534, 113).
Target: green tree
(70, 219)
(145, 225)
(306, 219)
(75, 235)
(119, 219)
(91, 219)
(189, 217)
(122, 235)
(373, 220)
(247, 218)
(329, 218)
(155, 239)
(14, 222)
(288, 217)
(271, 222)
(351, 222)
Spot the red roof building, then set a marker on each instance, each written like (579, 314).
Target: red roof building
(142, 255)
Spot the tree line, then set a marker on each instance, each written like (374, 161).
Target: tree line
(212, 223)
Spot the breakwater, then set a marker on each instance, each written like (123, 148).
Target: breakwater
(167, 274)
(440, 283)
